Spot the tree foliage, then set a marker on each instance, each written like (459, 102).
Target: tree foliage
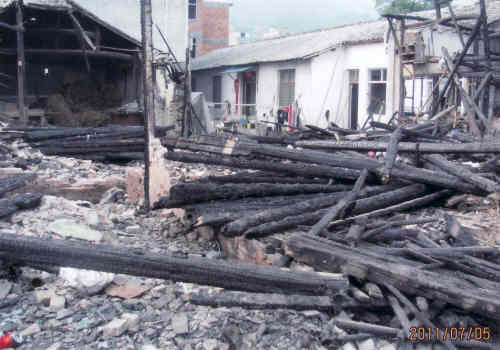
(406, 6)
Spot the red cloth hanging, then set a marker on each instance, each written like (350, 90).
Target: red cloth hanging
(289, 110)
(236, 92)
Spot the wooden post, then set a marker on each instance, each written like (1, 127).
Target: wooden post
(21, 63)
(147, 61)
(187, 125)
(437, 6)
(401, 70)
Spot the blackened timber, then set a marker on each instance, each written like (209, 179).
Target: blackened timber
(21, 63)
(260, 177)
(259, 301)
(367, 328)
(242, 225)
(385, 196)
(435, 178)
(407, 205)
(328, 161)
(221, 212)
(81, 38)
(339, 208)
(469, 101)
(81, 32)
(423, 147)
(463, 173)
(11, 27)
(413, 309)
(148, 98)
(459, 60)
(191, 193)
(391, 154)
(69, 52)
(243, 277)
(14, 203)
(406, 132)
(298, 169)
(234, 147)
(400, 314)
(14, 182)
(375, 267)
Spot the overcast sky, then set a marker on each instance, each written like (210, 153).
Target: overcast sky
(299, 15)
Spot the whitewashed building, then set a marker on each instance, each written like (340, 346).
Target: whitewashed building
(336, 75)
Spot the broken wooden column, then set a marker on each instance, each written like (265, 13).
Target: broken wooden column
(154, 170)
(21, 63)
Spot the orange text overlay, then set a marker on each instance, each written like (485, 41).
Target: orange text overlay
(450, 334)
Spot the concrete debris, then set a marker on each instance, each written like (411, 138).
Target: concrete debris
(70, 228)
(86, 281)
(115, 328)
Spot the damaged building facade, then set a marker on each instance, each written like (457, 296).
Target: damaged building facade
(346, 75)
(317, 73)
(81, 64)
(417, 61)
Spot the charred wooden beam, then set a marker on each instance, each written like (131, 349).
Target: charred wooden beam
(10, 205)
(244, 277)
(423, 147)
(407, 205)
(258, 301)
(298, 169)
(69, 52)
(262, 177)
(463, 173)
(244, 224)
(81, 32)
(82, 38)
(459, 60)
(457, 27)
(15, 182)
(340, 208)
(368, 265)
(14, 28)
(21, 63)
(391, 154)
(191, 193)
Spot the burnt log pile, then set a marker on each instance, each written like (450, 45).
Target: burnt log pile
(336, 205)
(111, 143)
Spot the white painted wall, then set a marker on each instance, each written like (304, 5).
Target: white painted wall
(321, 84)
(330, 82)
(268, 85)
(177, 27)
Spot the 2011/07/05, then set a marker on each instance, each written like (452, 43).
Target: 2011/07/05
(450, 333)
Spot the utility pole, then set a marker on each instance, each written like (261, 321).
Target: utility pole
(437, 6)
(149, 120)
(21, 62)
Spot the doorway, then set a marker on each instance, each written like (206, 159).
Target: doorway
(353, 98)
(249, 93)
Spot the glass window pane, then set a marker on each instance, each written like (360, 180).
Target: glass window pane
(375, 75)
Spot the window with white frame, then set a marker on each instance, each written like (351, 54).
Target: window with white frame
(377, 89)
(192, 9)
(287, 87)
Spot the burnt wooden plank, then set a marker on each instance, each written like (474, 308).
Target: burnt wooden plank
(243, 277)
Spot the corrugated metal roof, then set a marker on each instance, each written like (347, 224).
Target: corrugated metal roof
(312, 43)
(123, 15)
(291, 47)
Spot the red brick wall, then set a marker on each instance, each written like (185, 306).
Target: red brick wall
(210, 28)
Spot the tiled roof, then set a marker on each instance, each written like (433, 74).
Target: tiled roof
(123, 16)
(310, 44)
(292, 47)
